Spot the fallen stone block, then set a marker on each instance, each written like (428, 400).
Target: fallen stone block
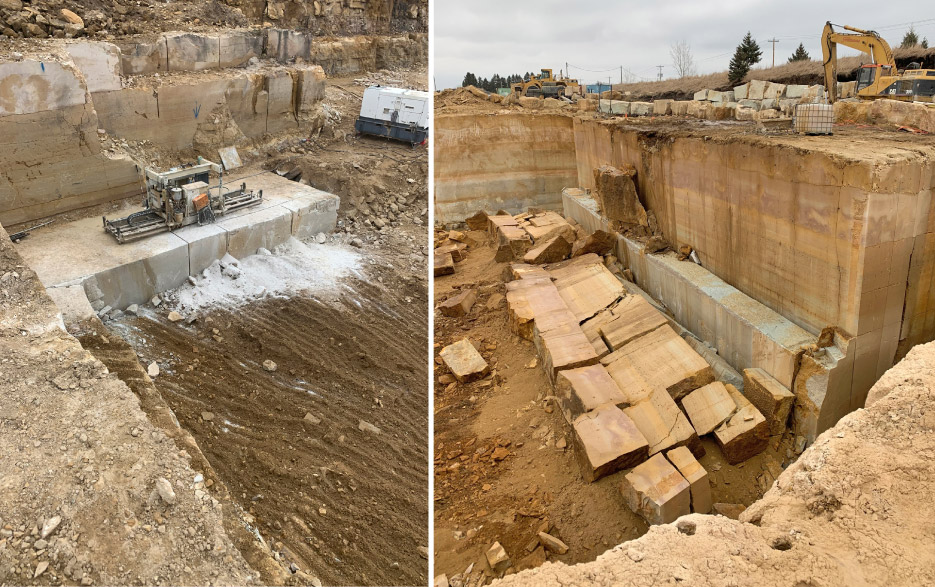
(563, 348)
(513, 242)
(458, 305)
(663, 424)
(745, 434)
(585, 389)
(607, 440)
(458, 251)
(587, 288)
(543, 226)
(552, 544)
(657, 492)
(708, 407)
(697, 478)
(551, 251)
(529, 298)
(666, 361)
(740, 93)
(495, 221)
(633, 318)
(464, 362)
(598, 242)
(770, 397)
(701, 95)
(756, 89)
(496, 555)
(591, 329)
(478, 221)
(444, 265)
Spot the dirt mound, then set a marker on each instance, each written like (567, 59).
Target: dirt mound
(469, 98)
(847, 511)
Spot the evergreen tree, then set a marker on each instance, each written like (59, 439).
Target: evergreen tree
(800, 54)
(747, 53)
(925, 43)
(910, 39)
(469, 80)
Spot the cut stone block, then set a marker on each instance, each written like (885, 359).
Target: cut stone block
(740, 93)
(444, 265)
(708, 407)
(756, 89)
(662, 107)
(641, 108)
(551, 251)
(459, 305)
(606, 440)
(598, 242)
(547, 225)
(512, 243)
(564, 348)
(497, 558)
(478, 221)
(745, 434)
(495, 222)
(769, 396)
(592, 329)
(615, 192)
(528, 298)
(523, 271)
(634, 317)
(456, 250)
(663, 424)
(697, 478)
(464, 362)
(630, 381)
(666, 361)
(587, 388)
(657, 491)
(701, 95)
(587, 288)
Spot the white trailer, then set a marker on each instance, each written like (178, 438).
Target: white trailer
(394, 113)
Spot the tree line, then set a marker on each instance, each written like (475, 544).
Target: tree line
(495, 81)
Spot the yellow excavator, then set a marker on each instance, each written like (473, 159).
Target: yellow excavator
(546, 86)
(881, 78)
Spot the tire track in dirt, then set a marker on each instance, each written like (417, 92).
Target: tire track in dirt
(338, 360)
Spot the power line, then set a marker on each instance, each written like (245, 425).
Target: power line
(774, 40)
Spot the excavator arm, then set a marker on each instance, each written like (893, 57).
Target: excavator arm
(868, 42)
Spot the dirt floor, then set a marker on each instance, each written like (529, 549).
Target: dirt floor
(344, 503)
(481, 497)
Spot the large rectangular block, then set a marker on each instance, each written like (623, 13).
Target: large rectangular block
(585, 389)
(663, 424)
(770, 397)
(697, 478)
(547, 225)
(666, 361)
(206, 244)
(657, 491)
(192, 52)
(708, 407)
(745, 434)
(564, 348)
(265, 228)
(99, 63)
(464, 362)
(237, 48)
(606, 440)
(587, 288)
(633, 317)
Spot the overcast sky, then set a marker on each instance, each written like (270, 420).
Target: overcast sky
(515, 36)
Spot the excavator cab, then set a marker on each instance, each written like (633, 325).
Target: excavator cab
(869, 73)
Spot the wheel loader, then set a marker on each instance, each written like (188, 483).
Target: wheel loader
(881, 78)
(546, 86)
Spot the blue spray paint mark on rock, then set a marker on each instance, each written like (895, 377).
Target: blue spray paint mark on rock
(41, 64)
(197, 109)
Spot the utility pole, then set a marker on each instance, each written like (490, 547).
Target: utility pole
(774, 40)
(621, 74)
(659, 77)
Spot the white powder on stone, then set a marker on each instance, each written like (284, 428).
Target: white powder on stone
(292, 267)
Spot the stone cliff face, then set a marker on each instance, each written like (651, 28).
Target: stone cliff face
(111, 19)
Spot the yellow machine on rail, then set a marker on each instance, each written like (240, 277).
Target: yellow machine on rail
(881, 78)
(546, 86)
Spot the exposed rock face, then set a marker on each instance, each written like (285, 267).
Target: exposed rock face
(616, 193)
(815, 515)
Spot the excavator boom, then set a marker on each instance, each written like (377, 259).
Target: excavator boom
(865, 41)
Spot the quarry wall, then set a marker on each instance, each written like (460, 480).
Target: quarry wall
(823, 231)
(508, 161)
(248, 83)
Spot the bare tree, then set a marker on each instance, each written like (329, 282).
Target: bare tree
(682, 59)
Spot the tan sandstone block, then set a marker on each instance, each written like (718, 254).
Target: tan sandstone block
(657, 491)
(606, 440)
(696, 476)
(745, 434)
(769, 396)
(464, 361)
(708, 407)
(550, 251)
(587, 388)
(663, 424)
(564, 348)
(459, 305)
(634, 317)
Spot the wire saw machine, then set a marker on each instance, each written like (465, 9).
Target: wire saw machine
(180, 197)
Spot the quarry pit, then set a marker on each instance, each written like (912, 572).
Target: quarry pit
(239, 402)
(799, 261)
